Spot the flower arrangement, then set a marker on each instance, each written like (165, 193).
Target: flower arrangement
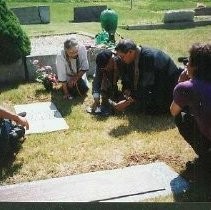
(45, 75)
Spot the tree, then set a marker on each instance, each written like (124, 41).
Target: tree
(14, 43)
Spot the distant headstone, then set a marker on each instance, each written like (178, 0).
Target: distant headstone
(88, 14)
(32, 15)
(174, 16)
(44, 13)
(203, 11)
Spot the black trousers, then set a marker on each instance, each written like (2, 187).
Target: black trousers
(188, 128)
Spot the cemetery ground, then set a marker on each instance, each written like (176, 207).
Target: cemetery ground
(98, 143)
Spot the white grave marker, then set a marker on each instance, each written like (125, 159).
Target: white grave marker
(42, 117)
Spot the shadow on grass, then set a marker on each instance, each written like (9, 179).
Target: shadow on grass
(8, 167)
(64, 105)
(10, 85)
(143, 123)
(199, 178)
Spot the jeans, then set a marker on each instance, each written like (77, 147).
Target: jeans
(188, 128)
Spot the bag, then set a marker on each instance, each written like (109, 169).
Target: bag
(10, 136)
(80, 89)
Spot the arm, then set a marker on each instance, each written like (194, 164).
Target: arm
(181, 97)
(75, 78)
(14, 117)
(96, 85)
(175, 109)
(183, 76)
(65, 90)
(122, 105)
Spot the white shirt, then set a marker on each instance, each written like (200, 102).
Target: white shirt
(62, 66)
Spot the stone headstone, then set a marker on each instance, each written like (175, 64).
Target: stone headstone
(32, 15)
(174, 16)
(130, 184)
(12, 72)
(47, 60)
(203, 11)
(88, 14)
(44, 14)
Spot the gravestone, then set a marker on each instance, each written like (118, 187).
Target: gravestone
(88, 14)
(32, 15)
(12, 72)
(44, 59)
(203, 11)
(174, 16)
(130, 184)
(42, 117)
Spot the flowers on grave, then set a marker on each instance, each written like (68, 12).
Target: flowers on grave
(45, 75)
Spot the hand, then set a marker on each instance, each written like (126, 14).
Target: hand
(22, 121)
(183, 76)
(127, 93)
(73, 81)
(122, 105)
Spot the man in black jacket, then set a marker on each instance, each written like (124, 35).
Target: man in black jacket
(148, 79)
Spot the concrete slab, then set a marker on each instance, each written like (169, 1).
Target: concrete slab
(131, 184)
(42, 117)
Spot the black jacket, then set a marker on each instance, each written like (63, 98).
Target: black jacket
(157, 77)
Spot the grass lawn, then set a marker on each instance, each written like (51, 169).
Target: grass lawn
(91, 143)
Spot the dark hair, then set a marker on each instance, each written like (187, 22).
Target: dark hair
(103, 58)
(125, 45)
(200, 58)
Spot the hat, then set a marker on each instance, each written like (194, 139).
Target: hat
(103, 58)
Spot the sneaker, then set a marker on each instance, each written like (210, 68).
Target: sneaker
(96, 111)
(70, 97)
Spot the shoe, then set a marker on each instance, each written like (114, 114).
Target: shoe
(70, 97)
(91, 111)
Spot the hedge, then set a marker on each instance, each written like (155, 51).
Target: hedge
(14, 43)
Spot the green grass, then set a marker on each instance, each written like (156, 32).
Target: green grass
(91, 143)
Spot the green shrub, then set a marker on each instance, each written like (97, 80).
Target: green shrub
(14, 43)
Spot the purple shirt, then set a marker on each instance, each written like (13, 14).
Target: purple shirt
(196, 94)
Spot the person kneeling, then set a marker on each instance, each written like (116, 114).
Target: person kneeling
(191, 104)
(72, 65)
(104, 86)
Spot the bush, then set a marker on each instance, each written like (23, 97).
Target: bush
(14, 43)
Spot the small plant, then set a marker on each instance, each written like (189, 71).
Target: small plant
(45, 75)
